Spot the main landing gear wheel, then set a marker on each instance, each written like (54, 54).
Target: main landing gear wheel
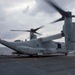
(66, 53)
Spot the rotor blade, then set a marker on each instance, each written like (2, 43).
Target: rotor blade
(22, 30)
(61, 11)
(38, 33)
(38, 28)
(62, 18)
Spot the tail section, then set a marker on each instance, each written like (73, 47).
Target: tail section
(8, 44)
(12, 45)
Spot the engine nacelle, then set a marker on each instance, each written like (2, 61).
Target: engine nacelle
(72, 44)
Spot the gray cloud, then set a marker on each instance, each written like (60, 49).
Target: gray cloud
(40, 14)
(42, 6)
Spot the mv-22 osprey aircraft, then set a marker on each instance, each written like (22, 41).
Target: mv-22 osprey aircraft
(46, 45)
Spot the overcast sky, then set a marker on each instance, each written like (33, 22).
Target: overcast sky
(26, 14)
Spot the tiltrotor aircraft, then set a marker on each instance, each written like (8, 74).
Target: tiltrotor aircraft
(46, 45)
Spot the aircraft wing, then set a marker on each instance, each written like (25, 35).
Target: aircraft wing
(53, 37)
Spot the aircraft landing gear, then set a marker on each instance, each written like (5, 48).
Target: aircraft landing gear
(30, 55)
(66, 54)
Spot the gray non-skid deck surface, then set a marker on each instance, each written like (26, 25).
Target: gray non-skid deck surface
(54, 65)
